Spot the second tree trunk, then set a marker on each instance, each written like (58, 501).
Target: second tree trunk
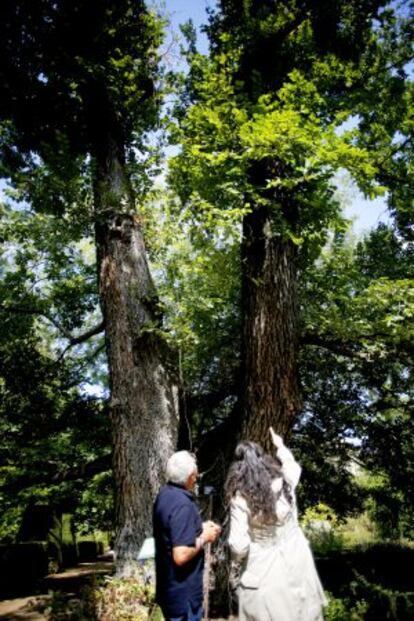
(271, 393)
(144, 395)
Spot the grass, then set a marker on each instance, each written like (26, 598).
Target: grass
(357, 531)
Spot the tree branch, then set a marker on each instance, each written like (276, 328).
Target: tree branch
(351, 349)
(333, 344)
(84, 471)
(81, 338)
(394, 151)
(73, 340)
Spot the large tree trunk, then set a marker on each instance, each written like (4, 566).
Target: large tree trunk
(270, 393)
(144, 395)
(270, 339)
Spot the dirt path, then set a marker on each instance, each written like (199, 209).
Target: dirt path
(22, 608)
(68, 581)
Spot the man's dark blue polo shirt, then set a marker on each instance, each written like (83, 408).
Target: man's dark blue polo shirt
(177, 522)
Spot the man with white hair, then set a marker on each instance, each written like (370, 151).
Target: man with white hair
(180, 536)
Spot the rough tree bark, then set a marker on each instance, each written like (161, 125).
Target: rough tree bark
(271, 392)
(144, 393)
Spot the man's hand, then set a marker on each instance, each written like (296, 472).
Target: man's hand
(276, 439)
(211, 531)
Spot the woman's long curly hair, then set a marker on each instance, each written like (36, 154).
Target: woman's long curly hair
(251, 474)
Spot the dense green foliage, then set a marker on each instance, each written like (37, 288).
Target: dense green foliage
(265, 118)
(100, 78)
(357, 373)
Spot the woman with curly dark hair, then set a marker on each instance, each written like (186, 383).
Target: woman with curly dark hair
(278, 580)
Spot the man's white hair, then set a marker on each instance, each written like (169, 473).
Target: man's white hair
(180, 466)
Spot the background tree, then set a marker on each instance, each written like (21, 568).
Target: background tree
(77, 98)
(56, 447)
(358, 376)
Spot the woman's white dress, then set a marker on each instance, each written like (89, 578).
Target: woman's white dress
(280, 581)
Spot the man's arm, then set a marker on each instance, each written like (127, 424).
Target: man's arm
(183, 554)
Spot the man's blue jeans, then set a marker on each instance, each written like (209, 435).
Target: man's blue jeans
(192, 615)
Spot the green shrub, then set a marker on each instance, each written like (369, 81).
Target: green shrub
(321, 527)
(370, 602)
(384, 603)
(344, 610)
(371, 584)
(107, 599)
(358, 530)
(65, 607)
(131, 599)
(383, 564)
